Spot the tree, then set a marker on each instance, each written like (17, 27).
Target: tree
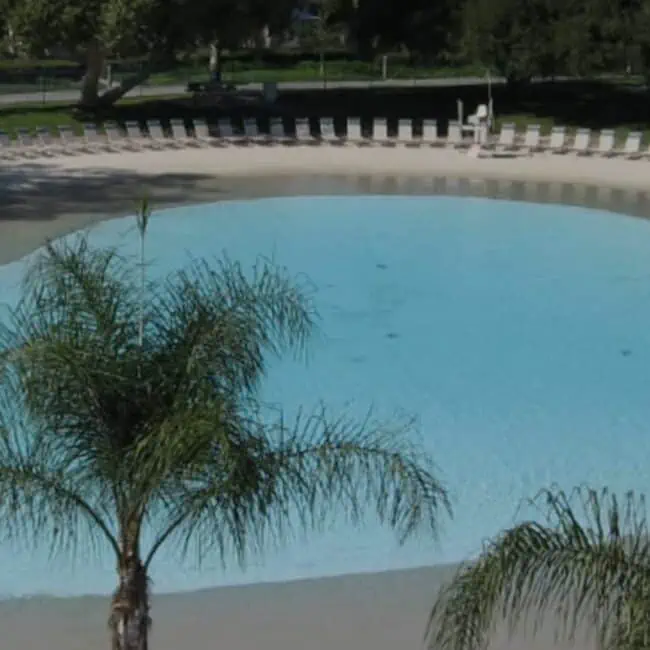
(155, 30)
(130, 412)
(587, 561)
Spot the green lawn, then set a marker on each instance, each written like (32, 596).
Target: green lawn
(595, 105)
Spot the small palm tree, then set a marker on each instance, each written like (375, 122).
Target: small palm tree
(130, 417)
(585, 562)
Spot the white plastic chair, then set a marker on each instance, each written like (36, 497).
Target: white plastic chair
(454, 134)
(557, 141)
(327, 131)
(380, 131)
(354, 130)
(632, 147)
(606, 142)
(581, 142)
(276, 129)
(303, 131)
(532, 138)
(405, 131)
(430, 132)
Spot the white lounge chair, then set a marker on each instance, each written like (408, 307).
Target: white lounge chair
(27, 143)
(606, 143)
(380, 131)
(8, 148)
(557, 140)
(202, 133)
(93, 139)
(50, 143)
(276, 129)
(327, 131)
(532, 139)
(353, 132)
(156, 134)
(135, 136)
(405, 131)
(506, 140)
(430, 133)
(632, 147)
(226, 131)
(179, 133)
(69, 139)
(116, 137)
(581, 142)
(455, 135)
(251, 130)
(303, 131)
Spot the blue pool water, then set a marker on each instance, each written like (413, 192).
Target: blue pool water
(518, 333)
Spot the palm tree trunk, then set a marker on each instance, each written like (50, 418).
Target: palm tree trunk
(129, 620)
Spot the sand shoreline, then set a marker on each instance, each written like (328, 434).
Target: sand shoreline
(50, 197)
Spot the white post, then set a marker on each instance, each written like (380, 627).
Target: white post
(384, 67)
(459, 105)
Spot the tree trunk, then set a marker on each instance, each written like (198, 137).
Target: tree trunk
(94, 68)
(129, 620)
(113, 95)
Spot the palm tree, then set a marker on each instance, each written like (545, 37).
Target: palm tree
(585, 564)
(130, 417)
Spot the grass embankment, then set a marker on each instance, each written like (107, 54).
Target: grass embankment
(596, 105)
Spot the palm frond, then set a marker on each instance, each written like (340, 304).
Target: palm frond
(48, 498)
(587, 561)
(266, 481)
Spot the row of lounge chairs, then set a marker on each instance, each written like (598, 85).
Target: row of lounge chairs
(112, 137)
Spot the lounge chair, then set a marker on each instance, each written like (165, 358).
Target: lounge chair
(632, 147)
(380, 131)
(303, 131)
(557, 141)
(201, 131)
(405, 131)
(532, 139)
(606, 143)
(26, 142)
(327, 131)
(455, 135)
(276, 129)
(8, 148)
(179, 133)
(117, 139)
(226, 131)
(353, 132)
(69, 139)
(48, 143)
(506, 140)
(135, 136)
(156, 134)
(251, 130)
(430, 133)
(581, 142)
(93, 139)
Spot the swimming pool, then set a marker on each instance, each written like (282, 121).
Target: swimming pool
(516, 332)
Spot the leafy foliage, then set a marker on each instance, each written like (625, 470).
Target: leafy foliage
(586, 562)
